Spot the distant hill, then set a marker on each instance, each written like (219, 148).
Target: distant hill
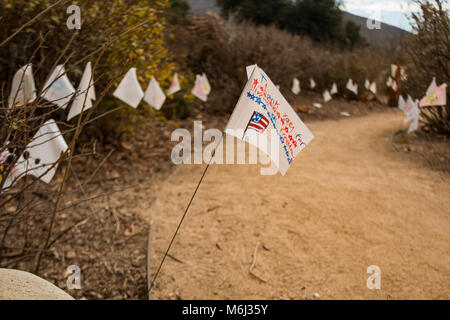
(202, 6)
(385, 38)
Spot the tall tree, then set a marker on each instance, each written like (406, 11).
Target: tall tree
(320, 19)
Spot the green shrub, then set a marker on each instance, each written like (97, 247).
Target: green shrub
(132, 32)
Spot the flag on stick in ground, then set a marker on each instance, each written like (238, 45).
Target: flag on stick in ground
(373, 87)
(296, 86)
(334, 89)
(353, 87)
(389, 82)
(58, 89)
(312, 83)
(260, 98)
(436, 96)
(326, 96)
(367, 84)
(154, 95)
(129, 89)
(412, 113)
(85, 94)
(174, 85)
(23, 89)
(402, 104)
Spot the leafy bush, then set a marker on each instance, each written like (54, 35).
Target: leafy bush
(124, 33)
(321, 20)
(427, 54)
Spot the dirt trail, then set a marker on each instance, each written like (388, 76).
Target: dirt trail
(349, 201)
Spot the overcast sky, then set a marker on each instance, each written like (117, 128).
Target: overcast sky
(393, 12)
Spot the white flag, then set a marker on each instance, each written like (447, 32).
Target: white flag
(345, 114)
(436, 96)
(394, 85)
(129, 89)
(389, 82)
(367, 84)
(174, 85)
(312, 83)
(249, 70)
(326, 96)
(85, 94)
(353, 87)
(154, 95)
(334, 89)
(263, 112)
(23, 89)
(373, 87)
(58, 89)
(43, 151)
(296, 86)
(199, 89)
(394, 70)
(317, 105)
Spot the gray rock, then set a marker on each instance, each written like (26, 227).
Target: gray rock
(20, 285)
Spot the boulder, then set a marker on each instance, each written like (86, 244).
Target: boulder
(21, 285)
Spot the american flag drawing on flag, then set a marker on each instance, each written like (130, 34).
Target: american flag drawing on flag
(257, 122)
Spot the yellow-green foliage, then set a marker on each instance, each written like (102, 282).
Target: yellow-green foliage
(132, 29)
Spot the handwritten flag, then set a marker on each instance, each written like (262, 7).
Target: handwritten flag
(129, 89)
(23, 89)
(199, 89)
(285, 131)
(435, 96)
(326, 96)
(411, 109)
(58, 89)
(174, 85)
(85, 94)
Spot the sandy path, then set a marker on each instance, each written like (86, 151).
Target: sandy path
(348, 202)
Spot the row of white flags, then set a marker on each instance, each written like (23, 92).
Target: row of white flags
(261, 109)
(48, 144)
(435, 96)
(328, 94)
(260, 101)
